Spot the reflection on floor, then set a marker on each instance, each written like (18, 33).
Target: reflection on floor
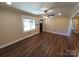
(44, 44)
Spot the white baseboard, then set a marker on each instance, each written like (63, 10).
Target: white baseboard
(57, 33)
(5, 45)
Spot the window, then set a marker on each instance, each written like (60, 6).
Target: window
(32, 24)
(28, 24)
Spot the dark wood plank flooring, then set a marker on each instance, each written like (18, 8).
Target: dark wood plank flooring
(43, 45)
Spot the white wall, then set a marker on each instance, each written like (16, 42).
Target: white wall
(58, 24)
(11, 27)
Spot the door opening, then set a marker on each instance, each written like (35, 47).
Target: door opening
(41, 25)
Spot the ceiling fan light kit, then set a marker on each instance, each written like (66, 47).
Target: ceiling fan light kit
(59, 13)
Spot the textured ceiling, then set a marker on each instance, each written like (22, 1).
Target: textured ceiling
(37, 7)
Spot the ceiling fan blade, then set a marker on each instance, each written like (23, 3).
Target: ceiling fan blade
(50, 8)
(54, 8)
(46, 12)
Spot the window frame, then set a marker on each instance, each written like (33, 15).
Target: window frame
(27, 17)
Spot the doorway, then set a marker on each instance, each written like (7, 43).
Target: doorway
(74, 24)
(41, 25)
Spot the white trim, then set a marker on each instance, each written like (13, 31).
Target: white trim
(10, 43)
(70, 26)
(57, 33)
(75, 10)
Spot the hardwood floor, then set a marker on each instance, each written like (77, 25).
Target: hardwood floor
(43, 45)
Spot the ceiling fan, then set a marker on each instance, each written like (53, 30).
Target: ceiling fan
(48, 12)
